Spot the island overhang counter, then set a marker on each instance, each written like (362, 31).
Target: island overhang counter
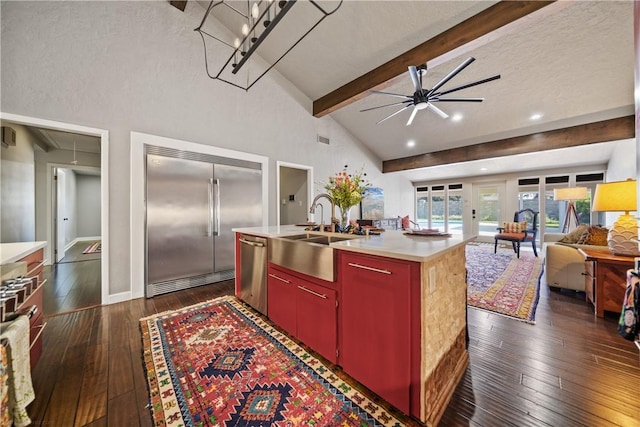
(400, 321)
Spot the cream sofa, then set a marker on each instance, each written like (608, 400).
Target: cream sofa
(564, 265)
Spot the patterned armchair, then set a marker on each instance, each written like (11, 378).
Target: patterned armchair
(524, 228)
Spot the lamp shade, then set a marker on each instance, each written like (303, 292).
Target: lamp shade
(617, 196)
(570, 193)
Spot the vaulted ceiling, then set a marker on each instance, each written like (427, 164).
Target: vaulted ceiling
(570, 62)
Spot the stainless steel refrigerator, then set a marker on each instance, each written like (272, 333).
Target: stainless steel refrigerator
(192, 203)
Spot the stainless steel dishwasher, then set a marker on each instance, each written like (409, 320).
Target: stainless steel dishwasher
(253, 272)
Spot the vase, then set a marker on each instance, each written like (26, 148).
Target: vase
(344, 217)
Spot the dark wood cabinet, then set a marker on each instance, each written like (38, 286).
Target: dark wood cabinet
(305, 307)
(376, 321)
(606, 279)
(31, 296)
(590, 281)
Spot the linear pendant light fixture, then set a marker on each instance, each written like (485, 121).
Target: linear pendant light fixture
(243, 40)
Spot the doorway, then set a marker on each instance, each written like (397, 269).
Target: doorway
(294, 184)
(76, 211)
(487, 210)
(44, 192)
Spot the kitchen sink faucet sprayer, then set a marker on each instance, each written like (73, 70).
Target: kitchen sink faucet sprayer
(314, 204)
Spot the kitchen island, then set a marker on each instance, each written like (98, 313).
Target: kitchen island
(395, 314)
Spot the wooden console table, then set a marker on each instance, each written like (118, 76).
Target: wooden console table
(605, 279)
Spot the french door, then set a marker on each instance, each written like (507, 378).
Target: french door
(488, 208)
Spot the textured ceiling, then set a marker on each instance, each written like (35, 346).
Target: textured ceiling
(573, 66)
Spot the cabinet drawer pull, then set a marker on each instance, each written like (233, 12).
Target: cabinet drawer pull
(377, 270)
(312, 292)
(279, 278)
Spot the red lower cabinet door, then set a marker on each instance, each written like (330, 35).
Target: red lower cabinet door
(281, 300)
(317, 319)
(375, 325)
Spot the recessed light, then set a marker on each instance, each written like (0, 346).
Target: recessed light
(536, 116)
(483, 169)
(456, 117)
(411, 143)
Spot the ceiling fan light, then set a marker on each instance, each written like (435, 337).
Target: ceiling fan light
(421, 105)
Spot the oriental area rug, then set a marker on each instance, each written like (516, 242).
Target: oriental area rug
(502, 283)
(94, 248)
(219, 363)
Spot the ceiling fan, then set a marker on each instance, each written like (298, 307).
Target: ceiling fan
(424, 98)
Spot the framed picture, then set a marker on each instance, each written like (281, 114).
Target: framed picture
(372, 204)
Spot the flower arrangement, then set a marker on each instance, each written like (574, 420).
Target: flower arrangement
(347, 190)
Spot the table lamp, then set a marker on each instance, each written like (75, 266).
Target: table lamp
(619, 197)
(570, 194)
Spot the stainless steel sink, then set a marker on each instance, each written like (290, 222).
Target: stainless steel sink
(307, 253)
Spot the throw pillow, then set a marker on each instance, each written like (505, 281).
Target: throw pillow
(575, 235)
(594, 235)
(405, 222)
(514, 227)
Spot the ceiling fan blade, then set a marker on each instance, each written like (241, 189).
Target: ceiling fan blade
(479, 82)
(399, 95)
(413, 115)
(437, 110)
(393, 114)
(413, 72)
(456, 99)
(386, 105)
(452, 74)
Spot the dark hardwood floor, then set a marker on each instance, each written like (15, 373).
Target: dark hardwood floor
(569, 369)
(75, 284)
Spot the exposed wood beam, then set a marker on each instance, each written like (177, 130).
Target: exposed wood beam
(591, 133)
(178, 4)
(480, 25)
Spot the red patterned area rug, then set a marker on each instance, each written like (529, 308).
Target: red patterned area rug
(502, 283)
(94, 248)
(220, 364)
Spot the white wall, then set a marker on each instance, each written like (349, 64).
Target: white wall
(138, 66)
(17, 188)
(88, 205)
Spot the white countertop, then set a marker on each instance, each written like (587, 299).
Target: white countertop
(390, 243)
(12, 252)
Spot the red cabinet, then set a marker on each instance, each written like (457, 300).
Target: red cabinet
(303, 307)
(317, 319)
(281, 299)
(376, 323)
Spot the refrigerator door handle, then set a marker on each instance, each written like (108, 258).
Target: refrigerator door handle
(216, 231)
(210, 210)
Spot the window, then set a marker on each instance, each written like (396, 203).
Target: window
(440, 206)
(454, 209)
(422, 206)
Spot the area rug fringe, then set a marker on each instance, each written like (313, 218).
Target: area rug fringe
(503, 284)
(167, 407)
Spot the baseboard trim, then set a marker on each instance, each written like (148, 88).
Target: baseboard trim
(81, 239)
(120, 297)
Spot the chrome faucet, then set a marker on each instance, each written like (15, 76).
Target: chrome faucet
(314, 204)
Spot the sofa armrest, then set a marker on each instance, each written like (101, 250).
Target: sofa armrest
(552, 237)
